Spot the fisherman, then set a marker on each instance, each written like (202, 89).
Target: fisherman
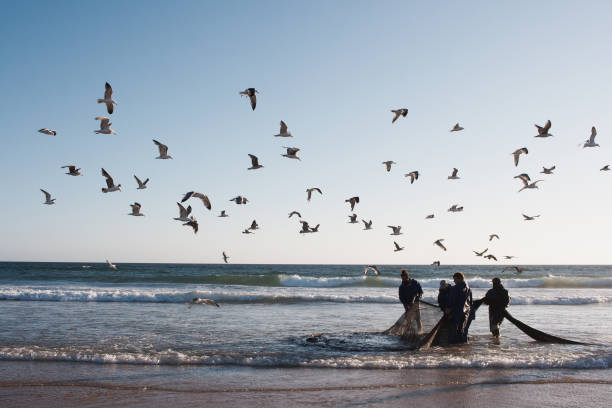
(497, 298)
(459, 309)
(410, 292)
(443, 294)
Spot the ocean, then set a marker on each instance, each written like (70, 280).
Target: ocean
(269, 314)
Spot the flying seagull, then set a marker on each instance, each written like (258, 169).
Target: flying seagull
(456, 128)
(414, 175)
(509, 256)
(491, 257)
(310, 190)
(141, 184)
(530, 218)
(480, 253)
(353, 219)
(283, 131)
(183, 213)
(454, 176)
(397, 247)
(247, 231)
(493, 236)
(250, 92)
(108, 98)
(291, 152)
(72, 170)
(200, 301)
(435, 263)
(373, 268)
(455, 208)
(523, 176)
(136, 210)
(306, 228)
(543, 130)
(254, 163)
(225, 257)
(201, 196)
(47, 131)
(254, 225)
(111, 265)
(429, 217)
(396, 230)
(295, 213)
(527, 184)
(239, 200)
(403, 112)
(591, 141)
(605, 168)
(388, 164)
(105, 126)
(439, 244)
(517, 153)
(193, 223)
(352, 201)
(110, 184)
(548, 171)
(223, 214)
(163, 150)
(515, 268)
(48, 199)
(367, 225)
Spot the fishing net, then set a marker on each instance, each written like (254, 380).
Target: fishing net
(419, 326)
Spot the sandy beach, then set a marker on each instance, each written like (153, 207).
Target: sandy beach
(93, 385)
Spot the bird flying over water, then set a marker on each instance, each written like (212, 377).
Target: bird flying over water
(254, 163)
(517, 153)
(295, 213)
(396, 230)
(225, 257)
(429, 217)
(548, 171)
(414, 175)
(493, 236)
(310, 190)
(110, 184)
(48, 199)
(72, 170)
(47, 131)
(105, 126)
(353, 219)
(529, 185)
(223, 214)
(480, 253)
(491, 257)
(388, 164)
(397, 247)
(141, 184)
(108, 98)
(254, 225)
(515, 268)
(195, 194)
(439, 244)
(455, 208)
(373, 268)
(193, 223)
(435, 263)
(200, 301)
(454, 176)
(543, 130)
(111, 265)
(136, 210)
(291, 152)
(283, 130)
(247, 231)
(250, 92)
(456, 128)
(605, 168)
(183, 213)
(530, 218)
(352, 201)
(239, 200)
(163, 150)
(403, 112)
(367, 225)
(509, 256)
(591, 140)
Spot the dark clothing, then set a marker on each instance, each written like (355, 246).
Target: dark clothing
(444, 297)
(497, 298)
(409, 291)
(460, 304)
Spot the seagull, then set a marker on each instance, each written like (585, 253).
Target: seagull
(439, 243)
(136, 210)
(397, 247)
(48, 199)
(105, 125)
(310, 190)
(435, 263)
(455, 208)
(454, 175)
(109, 183)
(141, 185)
(414, 175)
(307, 229)
(388, 164)
(225, 257)
(283, 131)
(491, 257)
(352, 201)
(480, 253)
(516, 268)
(111, 265)
(429, 217)
(47, 131)
(108, 98)
(250, 92)
(200, 301)
(163, 150)
(509, 256)
(591, 141)
(543, 130)
(295, 213)
(291, 151)
(183, 213)
(223, 214)
(254, 163)
(239, 200)
(254, 225)
(315, 228)
(372, 267)
(193, 223)
(247, 231)
(517, 153)
(367, 224)
(605, 168)
(523, 176)
(493, 236)
(201, 196)
(353, 219)
(403, 112)
(72, 170)
(527, 184)
(548, 171)
(396, 230)
(529, 218)
(456, 128)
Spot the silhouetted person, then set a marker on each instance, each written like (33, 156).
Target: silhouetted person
(444, 295)
(410, 292)
(459, 310)
(497, 298)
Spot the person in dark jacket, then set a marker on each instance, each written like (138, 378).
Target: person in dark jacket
(410, 292)
(459, 309)
(497, 298)
(443, 295)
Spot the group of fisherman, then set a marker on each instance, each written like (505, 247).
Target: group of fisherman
(457, 304)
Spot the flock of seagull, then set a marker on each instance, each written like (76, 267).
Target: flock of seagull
(291, 152)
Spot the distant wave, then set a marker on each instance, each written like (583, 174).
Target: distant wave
(165, 295)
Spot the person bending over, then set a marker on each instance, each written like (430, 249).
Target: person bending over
(410, 292)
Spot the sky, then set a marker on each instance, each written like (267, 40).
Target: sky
(332, 71)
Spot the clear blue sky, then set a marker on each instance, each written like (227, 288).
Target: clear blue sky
(332, 71)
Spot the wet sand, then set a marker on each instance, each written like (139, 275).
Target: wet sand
(96, 385)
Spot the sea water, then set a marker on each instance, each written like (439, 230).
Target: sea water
(268, 314)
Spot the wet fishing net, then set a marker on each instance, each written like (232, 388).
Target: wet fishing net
(420, 326)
